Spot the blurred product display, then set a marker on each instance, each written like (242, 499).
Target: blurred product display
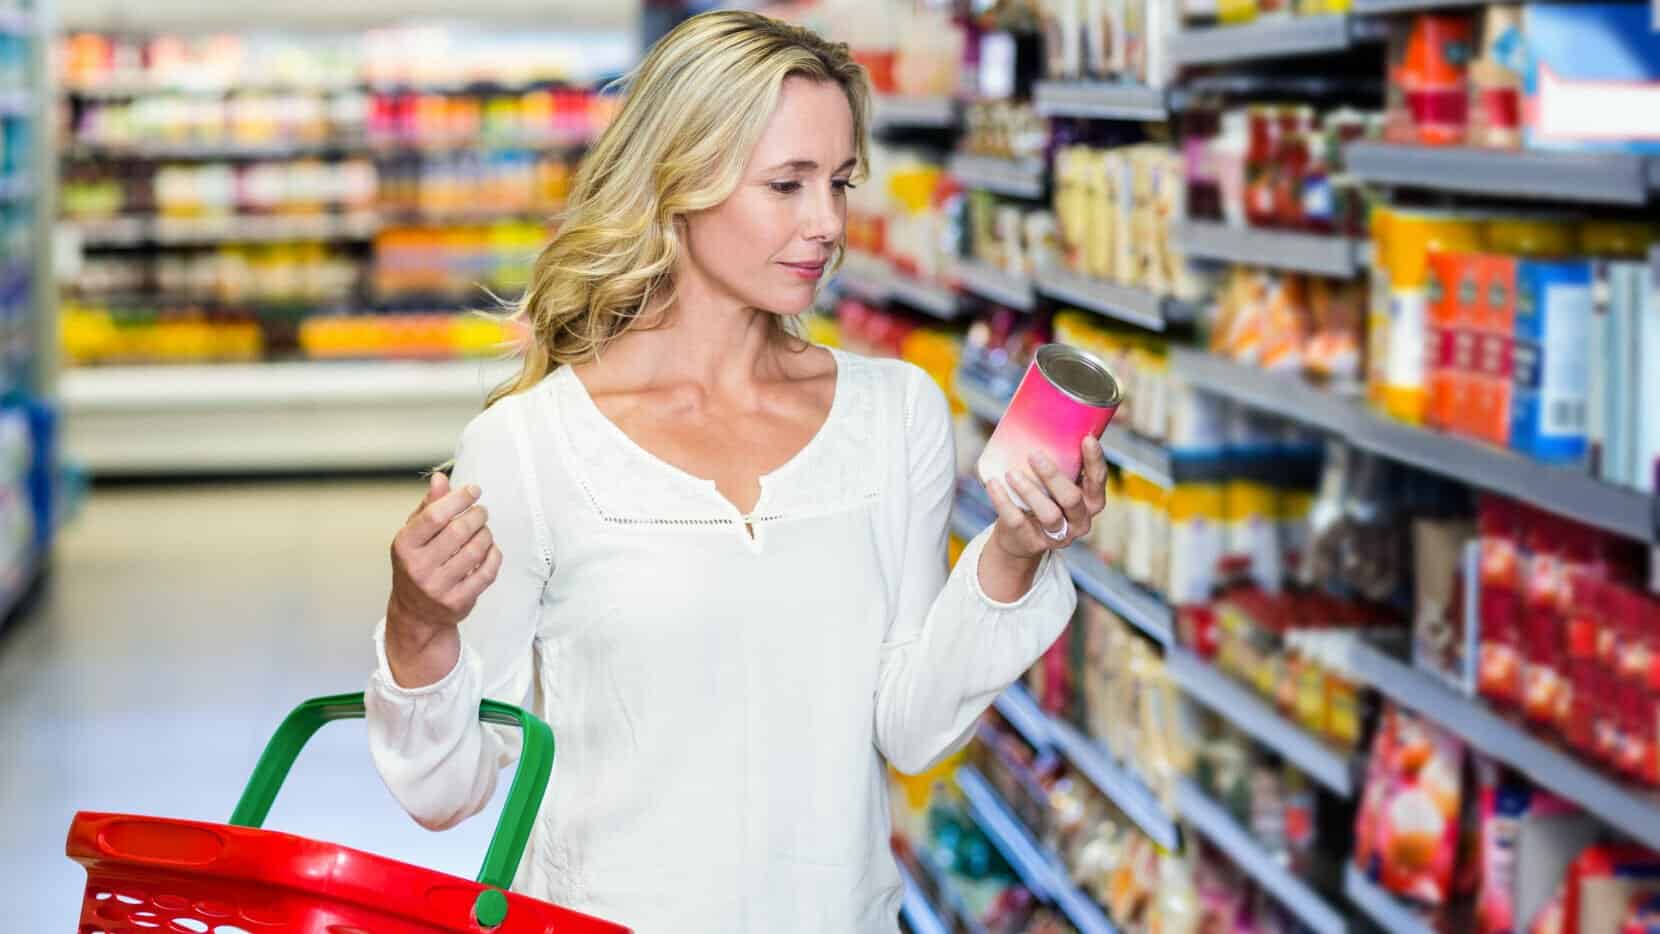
(1364, 632)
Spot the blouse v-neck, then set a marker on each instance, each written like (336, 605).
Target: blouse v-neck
(743, 521)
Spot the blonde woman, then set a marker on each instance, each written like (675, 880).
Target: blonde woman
(709, 554)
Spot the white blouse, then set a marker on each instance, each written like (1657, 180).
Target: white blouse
(722, 704)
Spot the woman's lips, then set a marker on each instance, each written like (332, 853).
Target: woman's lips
(806, 270)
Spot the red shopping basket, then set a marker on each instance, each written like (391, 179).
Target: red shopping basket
(149, 874)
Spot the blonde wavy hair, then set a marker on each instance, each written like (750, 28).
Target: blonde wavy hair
(694, 110)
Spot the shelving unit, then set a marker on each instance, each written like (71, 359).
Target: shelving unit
(1147, 459)
(1101, 100)
(1110, 588)
(1254, 715)
(1133, 306)
(1017, 707)
(1213, 822)
(874, 281)
(1014, 178)
(1564, 491)
(890, 112)
(1339, 257)
(1273, 38)
(1589, 178)
(1038, 869)
(153, 420)
(1383, 909)
(1134, 798)
(950, 897)
(917, 911)
(996, 285)
(1636, 813)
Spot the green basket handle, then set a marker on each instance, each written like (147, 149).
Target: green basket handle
(524, 797)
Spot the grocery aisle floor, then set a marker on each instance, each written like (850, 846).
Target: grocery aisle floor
(179, 626)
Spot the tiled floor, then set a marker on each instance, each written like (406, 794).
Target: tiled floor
(180, 625)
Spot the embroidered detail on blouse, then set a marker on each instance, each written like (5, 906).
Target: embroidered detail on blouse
(839, 469)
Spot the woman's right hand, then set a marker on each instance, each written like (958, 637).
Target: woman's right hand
(442, 560)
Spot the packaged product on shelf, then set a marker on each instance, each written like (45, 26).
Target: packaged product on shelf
(1444, 641)
(1611, 887)
(1575, 54)
(1198, 539)
(1552, 378)
(1645, 311)
(1337, 312)
(1496, 79)
(1407, 824)
(1397, 338)
(1062, 23)
(1429, 72)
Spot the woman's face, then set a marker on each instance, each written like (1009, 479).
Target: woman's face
(766, 246)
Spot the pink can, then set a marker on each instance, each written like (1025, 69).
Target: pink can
(1066, 395)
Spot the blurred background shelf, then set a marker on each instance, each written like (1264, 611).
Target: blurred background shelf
(917, 911)
(890, 112)
(994, 284)
(1109, 587)
(1252, 714)
(1130, 305)
(1316, 254)
(1585, 177)
(376, 415)
(1128, 792)
(1012, 177)
(1276, 38)
(1219, 827)
(1636, 813)
(1100, 100)
(1380, 907)
(1565, 491)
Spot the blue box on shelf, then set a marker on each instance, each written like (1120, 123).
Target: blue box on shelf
(1591, 76)
(1551, 379)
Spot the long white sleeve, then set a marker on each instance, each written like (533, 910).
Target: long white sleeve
(950, 650)
(427, 743)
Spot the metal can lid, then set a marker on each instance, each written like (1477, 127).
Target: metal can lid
(1079, 374)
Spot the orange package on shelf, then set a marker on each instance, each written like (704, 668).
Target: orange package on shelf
(1450, 352)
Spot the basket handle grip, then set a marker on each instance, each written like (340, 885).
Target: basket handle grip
(524, 797)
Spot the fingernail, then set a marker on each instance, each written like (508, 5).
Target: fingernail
(473, 490)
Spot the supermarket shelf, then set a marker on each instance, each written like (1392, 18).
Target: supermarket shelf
(1564, 491)
(1038, 870)
(1017, 707)
(967, 520)
(979, 400)
(921, 112)
(1388, 7)
(1273, 249)
(1254, 715)
(1100, 100)
(1110, 588)
(1011, 838)
(1384, 909)
(916, 910)
(1134, 306)
(158, 420)
(234, 228)
(1134, 798)
(1220, 828)
(950, 894)
(1146, 459)
(876, 282)
(1596, 178)
(1634, 813)
(994, 284)
(1293, 35)
(1015, 178)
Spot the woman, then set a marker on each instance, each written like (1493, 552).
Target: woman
(710, 554)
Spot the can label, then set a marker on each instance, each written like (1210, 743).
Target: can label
(1041, 417)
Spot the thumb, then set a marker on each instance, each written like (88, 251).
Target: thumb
(437, 486)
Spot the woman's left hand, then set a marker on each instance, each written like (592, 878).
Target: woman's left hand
(1061, 511)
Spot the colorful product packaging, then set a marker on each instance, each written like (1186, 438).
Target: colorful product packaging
(1593, 76)
(1066, 395)
(1551, 359)
(1408, 822)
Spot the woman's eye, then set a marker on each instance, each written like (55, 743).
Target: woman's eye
(842, 184)
(786, 188)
